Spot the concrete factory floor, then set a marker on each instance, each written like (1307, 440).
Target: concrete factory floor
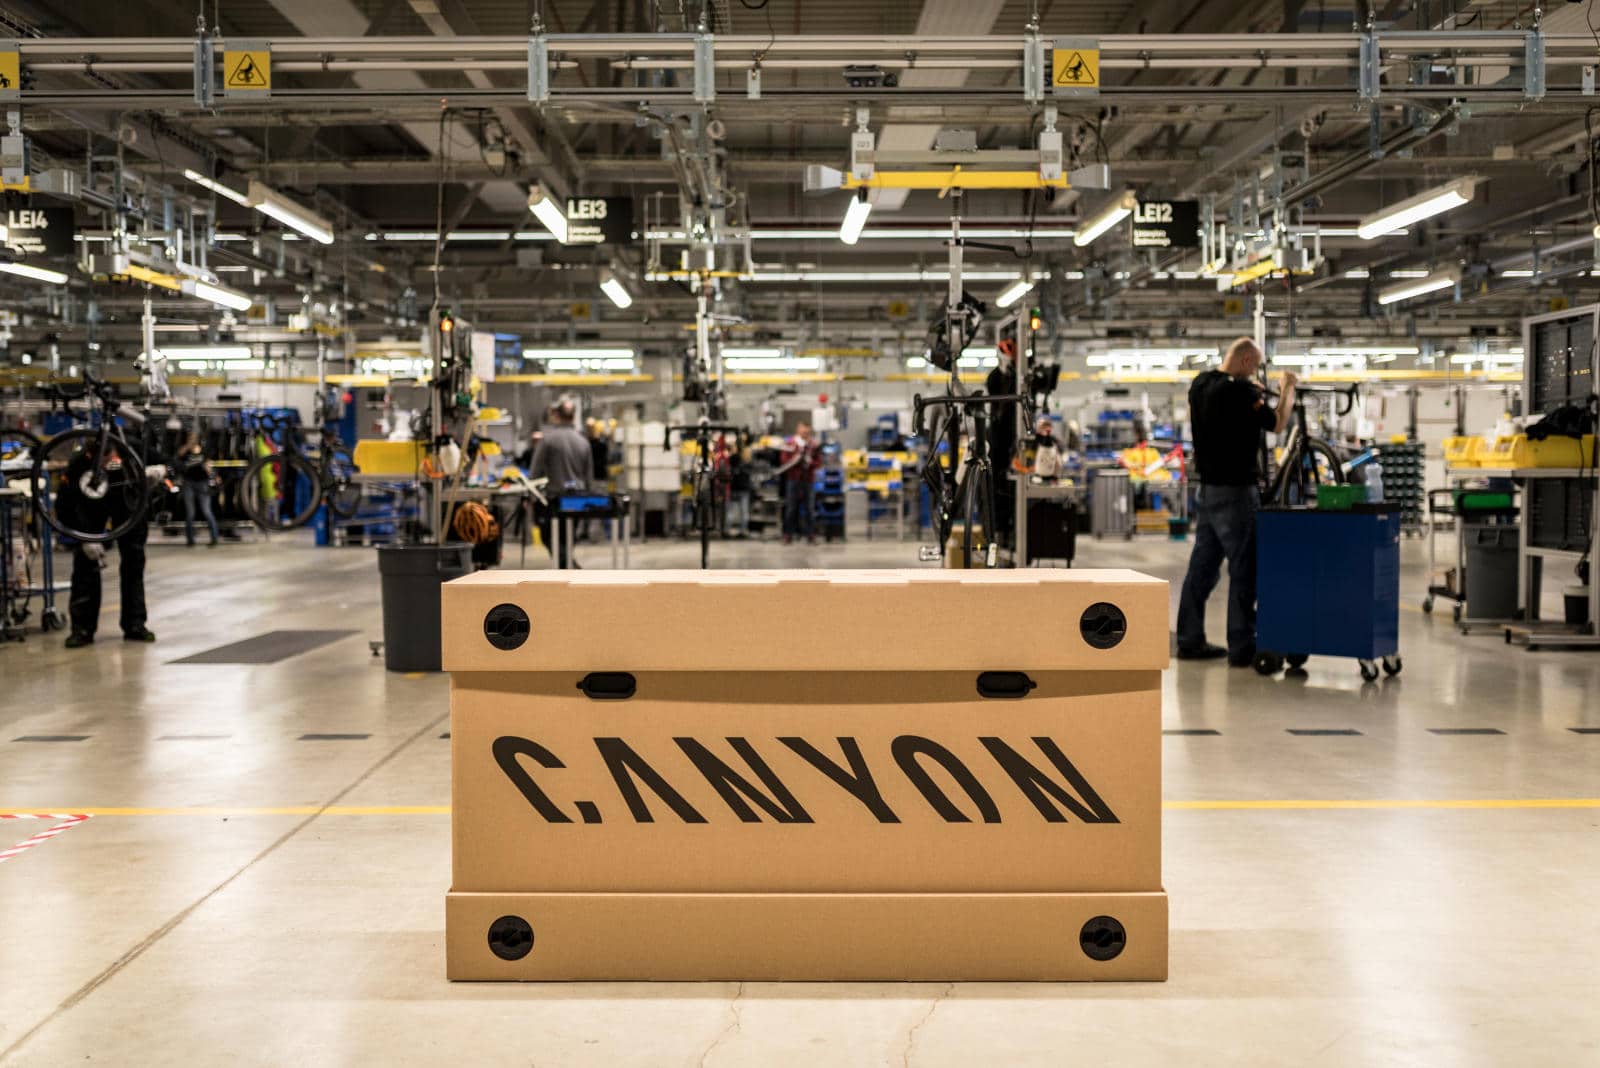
(210, 912)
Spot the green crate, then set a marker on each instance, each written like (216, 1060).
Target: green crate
(1332, 498)
(1482, 500)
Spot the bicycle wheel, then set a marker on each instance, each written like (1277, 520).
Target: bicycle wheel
(1329, 468)
(280, 491)
(978, 510)
(89, 485)
(343, 495)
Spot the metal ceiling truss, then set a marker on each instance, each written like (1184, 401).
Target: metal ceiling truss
(1453, 65)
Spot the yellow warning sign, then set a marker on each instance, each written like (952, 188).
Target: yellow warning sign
(247, 70)
(1558, 304)
(580, 310)
(10, 69)
(1232, 305)
(899, 309)
(1076, 66)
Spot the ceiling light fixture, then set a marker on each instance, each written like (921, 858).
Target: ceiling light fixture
(1364, 350)
(38, 274)
(547, 211)
(274, 205)
(1406, 290)
(1120, 207)
(611, 285)
(1014, 292)
(217, 294)
(855, 218)
(217, 187)
(1424, 205)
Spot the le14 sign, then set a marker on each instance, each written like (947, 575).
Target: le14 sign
(1166, 224)
(599, 220)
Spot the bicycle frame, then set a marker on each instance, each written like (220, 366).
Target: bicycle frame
(1298, 473)
(950, 487)
(703, 474)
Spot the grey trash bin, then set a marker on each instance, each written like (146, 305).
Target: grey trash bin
(1491, 570)
(411, 577)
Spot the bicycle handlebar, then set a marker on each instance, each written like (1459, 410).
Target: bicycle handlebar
(919, 403)
(1345, 399)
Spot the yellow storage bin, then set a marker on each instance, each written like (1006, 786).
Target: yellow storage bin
(1463, 452)
(389, 457)
(1518, 451)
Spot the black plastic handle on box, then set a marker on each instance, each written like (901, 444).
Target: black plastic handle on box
(1006, 685)
(608, 685)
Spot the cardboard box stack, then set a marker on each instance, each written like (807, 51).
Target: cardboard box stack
(829, 775)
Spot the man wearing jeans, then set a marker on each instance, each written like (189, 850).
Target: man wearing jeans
(1228, 413)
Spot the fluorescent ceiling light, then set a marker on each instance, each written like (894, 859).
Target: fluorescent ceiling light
(220, 295)
(1408, 272)
(212, 353)
(217, 187)
(1424, 205)
(1120, 207)
(275, 205)
(736, 353)
(1406, 290)
(609, 363)
(38, 274)
(878, 276)
(577, 353)
(233, 365)
(1358, 272)
(1516, 274)
(980, 357)
(613, 288)
(885, 233)
(547, 211)
(855, 218)
(1013, 293)
(771, 363)
(1364, 350)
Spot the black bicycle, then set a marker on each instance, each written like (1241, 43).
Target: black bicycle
(1307, 461)
(961, 486)
(88, 482)
(703, 480)
(282, 490)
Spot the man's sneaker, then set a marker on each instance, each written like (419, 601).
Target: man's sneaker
(1204, 652)
(143, 634)
(78, 641)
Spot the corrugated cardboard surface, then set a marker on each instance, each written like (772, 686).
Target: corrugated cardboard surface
(822, 836)
(858, 937)
(909, 620)
(806, 783)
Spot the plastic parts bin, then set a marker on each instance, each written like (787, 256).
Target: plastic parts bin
(411, 577)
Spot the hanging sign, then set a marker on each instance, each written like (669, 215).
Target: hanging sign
(599, 220)
(37, 231)
(1166, 224)
(247, 68)
(1075, 66)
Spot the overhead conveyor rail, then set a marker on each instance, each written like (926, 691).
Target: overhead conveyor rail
(1384, 64)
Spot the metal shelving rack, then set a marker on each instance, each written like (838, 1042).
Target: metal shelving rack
(1561, 366)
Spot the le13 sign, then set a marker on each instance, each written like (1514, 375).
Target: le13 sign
(599, 220)
(1166, 224)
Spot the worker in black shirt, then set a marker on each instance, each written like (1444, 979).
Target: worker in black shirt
(1228, 413)
(1002, 382)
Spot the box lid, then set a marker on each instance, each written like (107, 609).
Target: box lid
(877, 620)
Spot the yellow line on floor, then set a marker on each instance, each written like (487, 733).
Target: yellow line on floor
(1268, 805)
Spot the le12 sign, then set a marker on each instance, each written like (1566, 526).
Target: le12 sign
(1166, 224)
(599, 220)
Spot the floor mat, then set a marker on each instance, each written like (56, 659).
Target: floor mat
(268, 648)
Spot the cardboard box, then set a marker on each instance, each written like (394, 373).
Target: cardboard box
(878, 753)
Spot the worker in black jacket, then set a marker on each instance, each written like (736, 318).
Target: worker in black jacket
(1229, 413)
(1002, 381)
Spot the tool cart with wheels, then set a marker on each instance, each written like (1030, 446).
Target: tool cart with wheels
(1328, 584)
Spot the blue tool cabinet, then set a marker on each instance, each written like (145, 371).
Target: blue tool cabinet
(1328, 584)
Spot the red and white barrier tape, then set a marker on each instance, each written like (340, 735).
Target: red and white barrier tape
(67, 822)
